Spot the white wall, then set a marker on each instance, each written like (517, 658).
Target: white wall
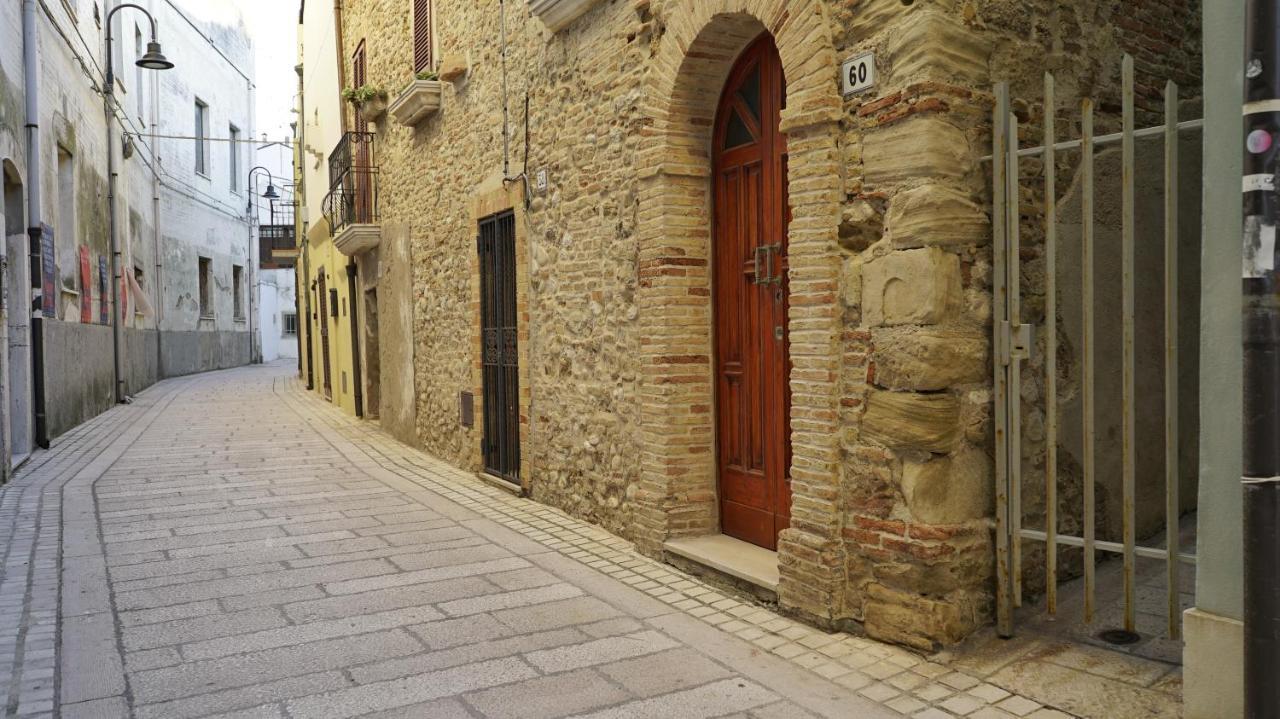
(277, 297)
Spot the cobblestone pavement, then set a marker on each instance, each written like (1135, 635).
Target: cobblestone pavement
(228, 545)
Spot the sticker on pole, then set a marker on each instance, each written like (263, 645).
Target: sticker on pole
(858, 74)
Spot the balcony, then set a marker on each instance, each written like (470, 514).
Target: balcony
(277, 247)
(351, 207)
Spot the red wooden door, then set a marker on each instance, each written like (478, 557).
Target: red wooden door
(753, 399)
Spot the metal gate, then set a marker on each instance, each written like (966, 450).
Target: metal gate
(1014, 342)
(496, 245)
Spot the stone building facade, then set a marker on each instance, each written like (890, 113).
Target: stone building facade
(599, 133)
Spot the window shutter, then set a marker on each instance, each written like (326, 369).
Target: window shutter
(421, 35)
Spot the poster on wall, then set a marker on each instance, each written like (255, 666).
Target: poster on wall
(124, 298)
(86, 282)
(48, 272)
(103, 303)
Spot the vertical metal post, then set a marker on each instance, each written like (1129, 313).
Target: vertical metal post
(1126, 301)
(1013, 289)
(1171, 445)
(1261, 346)
(1050, 351)
(999, 188)
(1086, 375)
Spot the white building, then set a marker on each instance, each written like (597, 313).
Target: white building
(187, 259)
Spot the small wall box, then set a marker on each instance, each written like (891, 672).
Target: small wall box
(419, 100)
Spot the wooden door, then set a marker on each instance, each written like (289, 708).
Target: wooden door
(753, 399)
(323, 321)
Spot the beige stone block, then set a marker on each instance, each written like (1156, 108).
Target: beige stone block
(929, 358)
(916, 621)
(908, 420)
(950, 490)
(911, 287)
(933, 46)
(916, 148)
(936, 215)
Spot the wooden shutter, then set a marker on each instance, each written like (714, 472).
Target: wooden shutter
(421, 35)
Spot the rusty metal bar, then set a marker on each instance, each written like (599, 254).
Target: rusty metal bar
(1129, 447)
(1050, 351)
(1013, 284)
(1000, 188)
(1113, 547)
(1086, 377)
(1101, 140)
(1171, 444)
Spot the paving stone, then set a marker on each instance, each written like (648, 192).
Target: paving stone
(714, 699)
(204, 676)
(547, 697)
(312, 632)
(467, 654)
(664, 672)
(580, 610)
(243, 698)
(359, 700)
(600, 651)
(181, 631)
(386, 599)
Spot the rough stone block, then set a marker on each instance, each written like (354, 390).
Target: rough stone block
(929, 45)
(907, 420)
(913, 620)
(929, 359)
(950, 490)
(918, 147)
(910, 287)
(936, 215)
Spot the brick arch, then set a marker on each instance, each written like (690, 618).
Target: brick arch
(676, 495)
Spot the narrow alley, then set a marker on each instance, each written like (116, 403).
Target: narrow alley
(228, 546)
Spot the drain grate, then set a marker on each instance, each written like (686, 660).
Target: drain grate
(1119, 636)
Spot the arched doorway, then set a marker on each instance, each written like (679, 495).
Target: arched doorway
(749, 189)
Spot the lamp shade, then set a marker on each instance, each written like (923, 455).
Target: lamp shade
(154, 59)
(271, 193)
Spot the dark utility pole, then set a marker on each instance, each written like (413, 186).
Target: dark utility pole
(1261, 436)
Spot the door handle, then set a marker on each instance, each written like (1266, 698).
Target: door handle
(756, 279)
(772, 251)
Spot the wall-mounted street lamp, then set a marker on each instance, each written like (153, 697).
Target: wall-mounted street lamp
(153, 59)
(271, 196)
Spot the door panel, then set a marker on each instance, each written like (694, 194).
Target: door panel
(752, 359)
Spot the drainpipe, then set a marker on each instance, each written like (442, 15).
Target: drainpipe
(35, 219)
(355, 337)
(303, 290)
(1261, 317)
(342, 61)
(117, 320)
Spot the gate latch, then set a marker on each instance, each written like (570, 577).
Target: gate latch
(1015, 342)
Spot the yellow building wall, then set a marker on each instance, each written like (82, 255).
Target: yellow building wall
(320, 110)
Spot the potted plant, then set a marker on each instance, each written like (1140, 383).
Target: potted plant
(420, 98)
(369, 100)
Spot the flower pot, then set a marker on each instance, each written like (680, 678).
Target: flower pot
(373, 109)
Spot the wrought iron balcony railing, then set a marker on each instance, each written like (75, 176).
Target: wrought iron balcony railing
(353, 183)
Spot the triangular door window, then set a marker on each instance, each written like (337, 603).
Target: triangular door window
(737, 134)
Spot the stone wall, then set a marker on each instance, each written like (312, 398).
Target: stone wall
(890, 267)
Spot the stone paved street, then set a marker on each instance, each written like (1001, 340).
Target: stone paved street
(229, 546)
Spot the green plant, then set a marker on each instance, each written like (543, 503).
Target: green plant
(427, 75)
(361, 95)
